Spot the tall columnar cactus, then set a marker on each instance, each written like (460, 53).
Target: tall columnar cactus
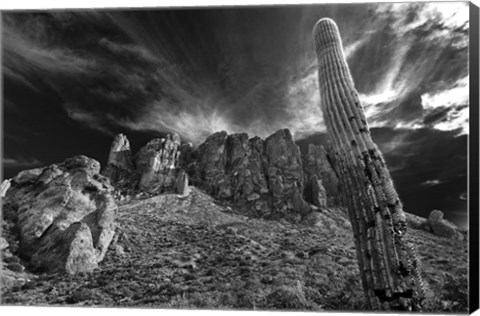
(388, 266)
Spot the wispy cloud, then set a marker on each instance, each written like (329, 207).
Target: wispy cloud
(23, 55)
(194, 123)
(20, 162)
(431, 182)
(124, 72)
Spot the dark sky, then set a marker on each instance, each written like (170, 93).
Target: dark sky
(72, 80)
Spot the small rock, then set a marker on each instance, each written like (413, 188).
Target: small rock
(442, 227)
(3, 243)
(15, 267)
(344, 261)
(4, 187)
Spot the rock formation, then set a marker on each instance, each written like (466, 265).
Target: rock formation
(320, 178)
(4, 187)
(65, 215)
(442, 227)
(157, 163)
(388, 267)
(182, 184)
(262, 177)
(120, 163)
(154, 169)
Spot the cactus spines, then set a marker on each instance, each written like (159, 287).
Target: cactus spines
(388, 267)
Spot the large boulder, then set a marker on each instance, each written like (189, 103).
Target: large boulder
(4, 187)
(65, 215)
(181, 186)
(318, 192)
(442, 227)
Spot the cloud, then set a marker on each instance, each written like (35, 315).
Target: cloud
(128, 50)
(431, 182)
(20, 162)
(447, 110)
(194, 123)
(426, 55)
(24, 56)
(132, 71)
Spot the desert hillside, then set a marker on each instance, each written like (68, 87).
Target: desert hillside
(237, 223)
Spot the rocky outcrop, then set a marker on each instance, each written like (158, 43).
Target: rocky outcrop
(321, 182)
(65, 215)
(158, 162)
(120, 163)
(4, 187)
(441, 227)
(285, 173)
(210, 164)
(181, 186)
(261, 177)
(154, 169)
(3, 243)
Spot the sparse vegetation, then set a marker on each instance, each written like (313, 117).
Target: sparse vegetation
(194, 253)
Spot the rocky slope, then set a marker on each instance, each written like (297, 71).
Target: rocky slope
(263, 178)
(173, 251)
(235, 223)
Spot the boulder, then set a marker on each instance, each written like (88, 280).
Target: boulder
(442, 227)
(318, 193)
(3, 243)
(65, 215)
(4, 187)
(181, 186)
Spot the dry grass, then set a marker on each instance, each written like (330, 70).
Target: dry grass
(173, 252)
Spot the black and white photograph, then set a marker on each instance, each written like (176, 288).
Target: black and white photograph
(300, 157)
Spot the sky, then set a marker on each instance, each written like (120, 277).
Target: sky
(74, 79)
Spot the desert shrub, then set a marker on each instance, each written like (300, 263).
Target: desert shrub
(80, 295)
(451, 295)
(290, 298)
(192, 300)
(345, 295)
(15, 267)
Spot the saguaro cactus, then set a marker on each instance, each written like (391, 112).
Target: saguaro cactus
(388, 267)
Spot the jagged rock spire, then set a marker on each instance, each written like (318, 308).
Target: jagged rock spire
(387, 265)
(158, 161)
(120, 155)
(4, 187)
